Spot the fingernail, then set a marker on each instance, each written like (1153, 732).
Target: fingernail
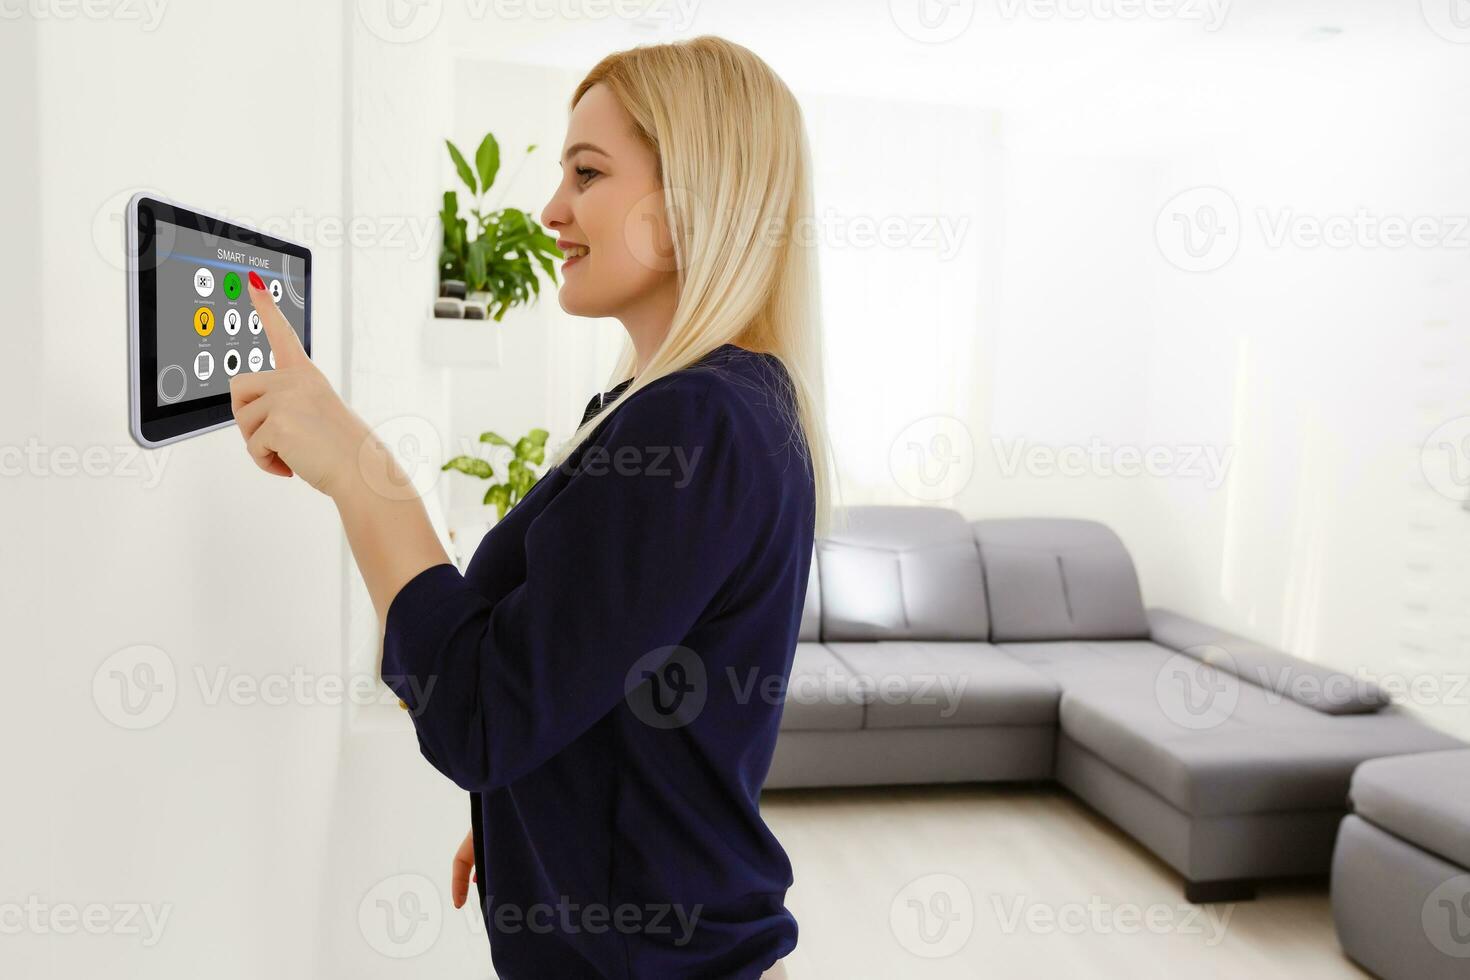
(255, 281)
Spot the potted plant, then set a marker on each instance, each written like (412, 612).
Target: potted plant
(527, 454)
(489, 262)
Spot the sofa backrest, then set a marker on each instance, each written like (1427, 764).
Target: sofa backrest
(811, 610)
(902, 573)
(1053, 578)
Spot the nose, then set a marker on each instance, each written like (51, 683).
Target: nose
(558, 210)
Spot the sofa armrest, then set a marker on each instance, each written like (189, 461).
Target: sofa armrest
(1313, 685)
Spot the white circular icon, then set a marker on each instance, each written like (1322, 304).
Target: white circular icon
(933, 916)
(203, 282)
(1446, 917)
(254, 322)
(232, 362)
(400, 21)
(232, 322)
(933, 458)
(256, 358)
(165, 395)
(401, 916)
(203, 365)
(1198, 691)
(1198, 230)
(273, 359)
(136, 687)
(1445, 459)
(932, 23)
(276, 290)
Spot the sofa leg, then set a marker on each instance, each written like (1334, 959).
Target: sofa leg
(1223, 890)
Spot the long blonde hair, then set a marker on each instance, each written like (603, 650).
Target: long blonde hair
(736, 174)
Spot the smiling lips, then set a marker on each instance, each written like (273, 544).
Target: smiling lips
(572, 250)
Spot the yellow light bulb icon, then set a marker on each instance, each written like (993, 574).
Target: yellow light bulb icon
(203, 321)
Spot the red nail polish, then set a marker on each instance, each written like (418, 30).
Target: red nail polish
(255, 281)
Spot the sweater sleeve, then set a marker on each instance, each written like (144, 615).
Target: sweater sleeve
(623, 561)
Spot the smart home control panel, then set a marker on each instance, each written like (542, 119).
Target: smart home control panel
(192, 324)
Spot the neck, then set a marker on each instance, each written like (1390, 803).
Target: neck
(648, 323)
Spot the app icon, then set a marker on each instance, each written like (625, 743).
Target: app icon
(254, 322)
(276, 290)
(232, 322)
(232, 362)
(203, 365)
(256, 358)
(204, 321)
(273, 360)
(232, 285)
(203, 282)
(169, 391)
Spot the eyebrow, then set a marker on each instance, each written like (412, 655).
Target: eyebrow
(582, 146)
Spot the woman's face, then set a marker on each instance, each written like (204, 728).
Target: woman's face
(610, 201)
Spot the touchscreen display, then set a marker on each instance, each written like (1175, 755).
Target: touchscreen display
(207, 330)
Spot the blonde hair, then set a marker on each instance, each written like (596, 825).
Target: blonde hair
(735, 168)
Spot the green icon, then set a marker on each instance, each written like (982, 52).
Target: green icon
(232, 285)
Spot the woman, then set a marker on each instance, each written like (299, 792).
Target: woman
(607, 677)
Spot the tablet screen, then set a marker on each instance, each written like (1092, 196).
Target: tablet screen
(196, 327)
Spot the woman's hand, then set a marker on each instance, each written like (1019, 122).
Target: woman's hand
(292, 420)
(464, 860)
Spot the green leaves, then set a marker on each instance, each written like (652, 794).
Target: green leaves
(527, 452)
(487, 161)
(508, 251)
(465, 173)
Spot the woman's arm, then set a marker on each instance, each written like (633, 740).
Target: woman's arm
(295, 424)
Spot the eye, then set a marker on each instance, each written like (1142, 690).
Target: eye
(584, 174)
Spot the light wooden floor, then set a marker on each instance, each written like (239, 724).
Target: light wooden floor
(1039, 884)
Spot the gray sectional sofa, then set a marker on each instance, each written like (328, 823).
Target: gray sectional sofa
(939, 650)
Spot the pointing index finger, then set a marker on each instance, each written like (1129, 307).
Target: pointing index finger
(278, 331)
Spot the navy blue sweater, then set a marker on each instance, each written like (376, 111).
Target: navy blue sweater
(607, 679)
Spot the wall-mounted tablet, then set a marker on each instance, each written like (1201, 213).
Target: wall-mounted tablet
(191, 323)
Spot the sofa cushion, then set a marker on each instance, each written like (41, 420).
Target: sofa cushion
(811, 610)
(1207, 742)
(822, 694)
(896, 573)
(924, 684)
(1423, 799)
(1321, 688)
(1058, 579)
